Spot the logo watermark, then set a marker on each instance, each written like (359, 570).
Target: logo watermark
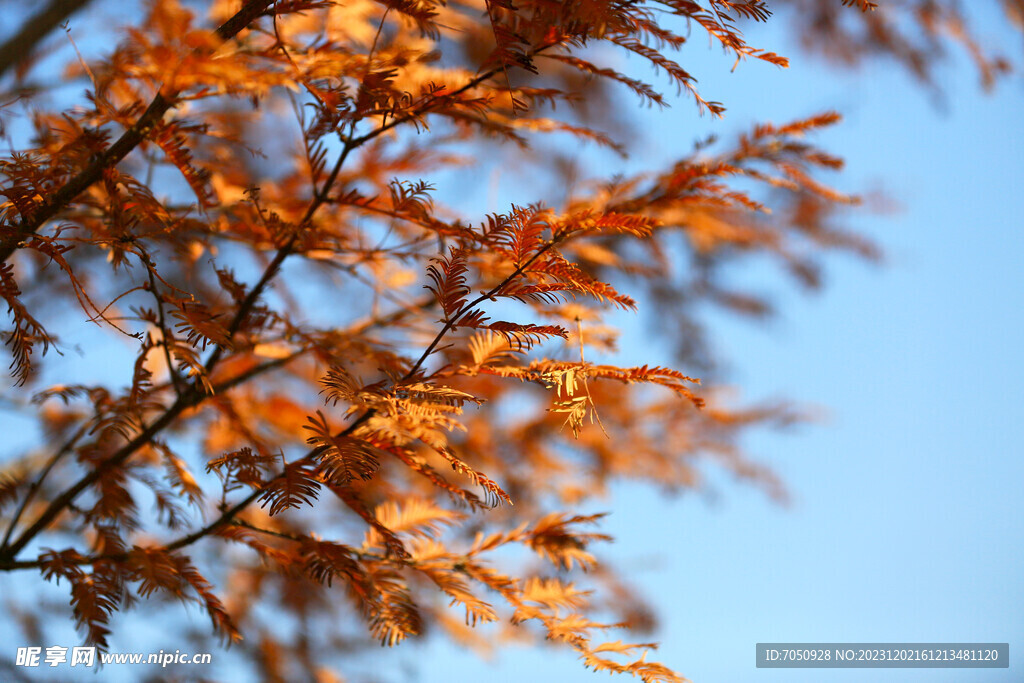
(56, 655)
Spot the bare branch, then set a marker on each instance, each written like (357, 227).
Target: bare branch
(21, 44)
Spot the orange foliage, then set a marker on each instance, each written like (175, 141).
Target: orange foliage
(317, 409)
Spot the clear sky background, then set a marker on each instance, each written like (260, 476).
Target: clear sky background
(906, 522)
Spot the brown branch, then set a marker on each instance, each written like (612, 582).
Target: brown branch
(196, 394)
(21, 44)
(38, 483)
(7, 562)
(121, 557)
(166, 334)
(15, 235)
(190, 399)
(61, 502)
(320, 197)
(475, 302)
(128, 141)
(435, 100)
(227, 515)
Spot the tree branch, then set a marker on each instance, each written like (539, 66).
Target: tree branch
(480, 299)
(20, 45)
(68, 496)
(15, 235)
(320, 197)
(187, 400)
(196, 394)
(37, 484)
(227, 515)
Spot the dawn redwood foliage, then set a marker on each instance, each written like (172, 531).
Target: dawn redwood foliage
(329, 393)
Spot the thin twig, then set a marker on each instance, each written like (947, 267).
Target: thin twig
(20, 45)
(320, 197)
(166, 335)
(461, 313)
(37, 484)
(191, 398)
(68, 496)
(586, 385)
(56, 202)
